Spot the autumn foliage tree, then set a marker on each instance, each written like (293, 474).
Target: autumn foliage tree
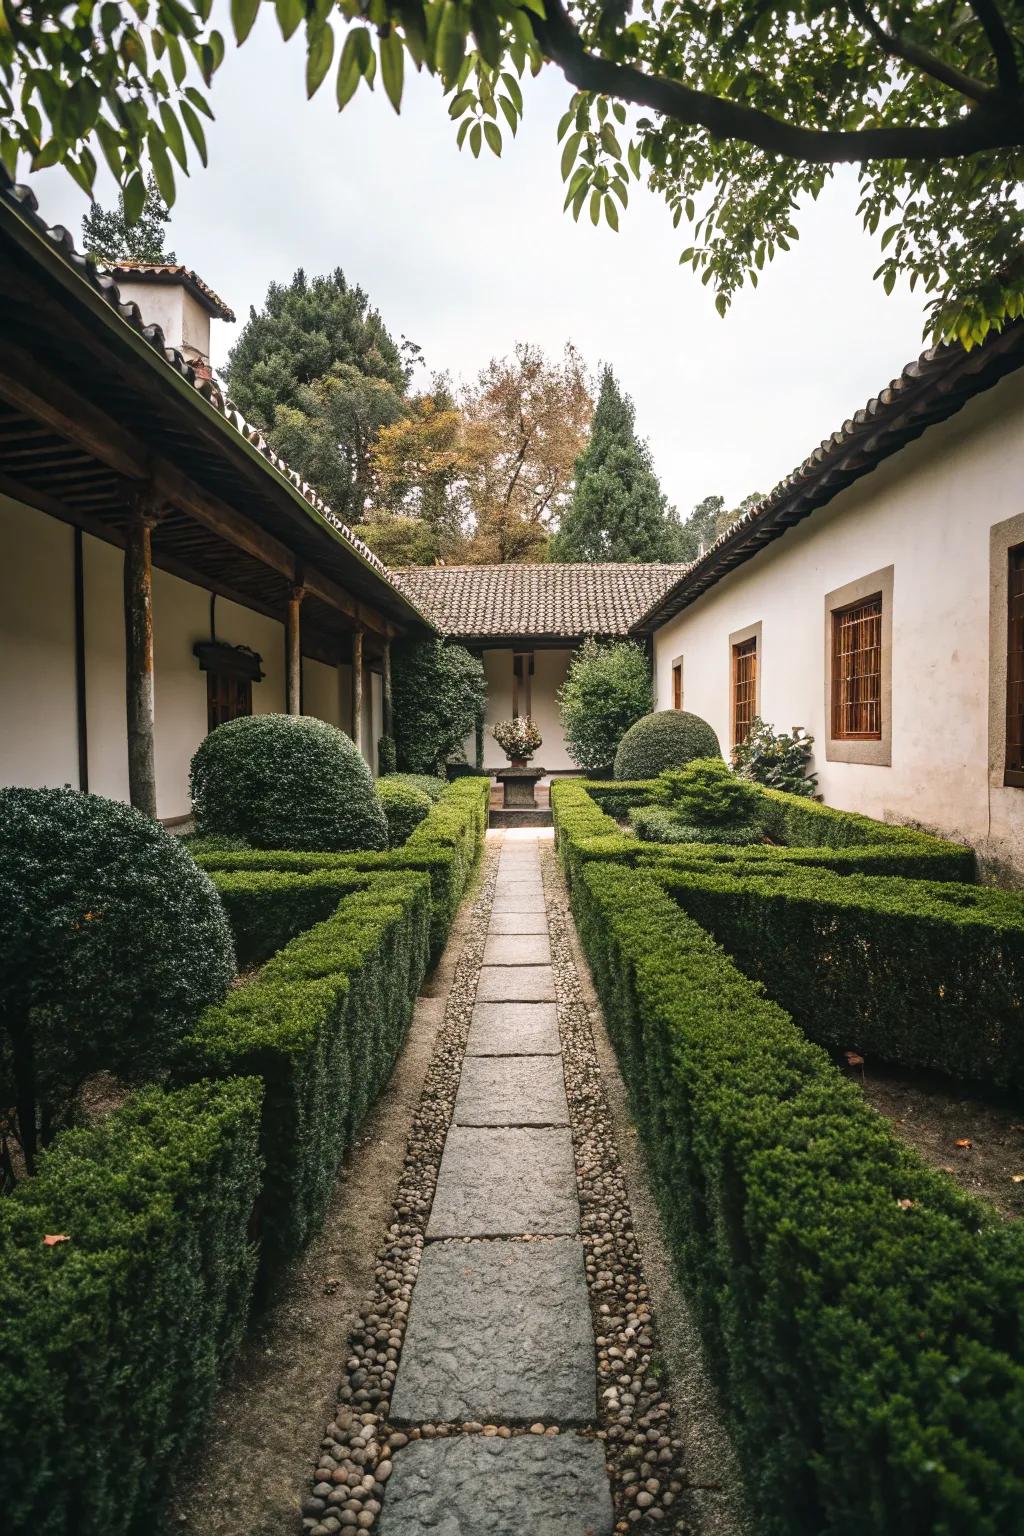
(421, 465)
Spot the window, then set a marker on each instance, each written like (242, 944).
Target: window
(230, 671)
(744, 688)
(1014, 767)
(857, 671)
(677, 684)
(227, 697)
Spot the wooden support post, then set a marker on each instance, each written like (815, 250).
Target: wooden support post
(357, 688)
(293, 652)
(388, 708)
(138, 651)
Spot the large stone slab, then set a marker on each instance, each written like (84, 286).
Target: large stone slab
(476, 1485)
(514, 1029)
(505, 1183)
(517, 949)
(518, 922)
(499, 1332)
(505, 901)
(516, 984)
(511, 1090)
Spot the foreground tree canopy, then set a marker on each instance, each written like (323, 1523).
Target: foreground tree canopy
(753, 103)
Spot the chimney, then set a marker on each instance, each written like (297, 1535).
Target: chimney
(178, 301)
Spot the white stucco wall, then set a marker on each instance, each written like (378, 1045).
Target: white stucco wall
(183, 320)
(38, 734)
(928, 512)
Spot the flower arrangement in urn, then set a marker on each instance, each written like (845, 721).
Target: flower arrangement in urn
(518, 739)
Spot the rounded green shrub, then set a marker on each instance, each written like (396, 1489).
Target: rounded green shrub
(606, 690)
(431, 786)
(668, 738)
(286, 781)
(707, 793)
(404, 808)
(112, 942)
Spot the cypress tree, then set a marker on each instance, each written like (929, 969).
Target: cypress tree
(618, 511)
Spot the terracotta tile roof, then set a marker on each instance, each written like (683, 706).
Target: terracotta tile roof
(535, 601)
(22, 202)
(168, 272)
(932, 388)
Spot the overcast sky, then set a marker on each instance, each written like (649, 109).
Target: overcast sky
(468, 257)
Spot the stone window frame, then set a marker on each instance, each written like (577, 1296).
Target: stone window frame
(1003, 537)
(738, 636)
(875, 752)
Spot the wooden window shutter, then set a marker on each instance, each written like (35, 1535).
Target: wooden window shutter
(1015, 668)
(857, 671)
(744, 688)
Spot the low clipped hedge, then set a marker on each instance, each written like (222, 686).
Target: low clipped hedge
(445, 845)
(114, 1341)
(427, 782)
(404, 808)
(914, 972)
(864, 1315)
(320, 1026)
(585, 815)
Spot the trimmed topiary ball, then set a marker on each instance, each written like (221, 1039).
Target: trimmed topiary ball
(286, 781)
(112, 942)
(404, 808)
(668, 738)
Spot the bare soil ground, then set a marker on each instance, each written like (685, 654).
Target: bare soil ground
(977, 1141)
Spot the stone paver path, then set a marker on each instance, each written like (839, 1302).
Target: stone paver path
(500, 1328)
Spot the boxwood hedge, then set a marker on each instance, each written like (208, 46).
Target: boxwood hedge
(114, 1337)
(446, 845)
(320, 1025)
(864, 1315)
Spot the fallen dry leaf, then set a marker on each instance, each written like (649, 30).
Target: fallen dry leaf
(906, 1205)
(53, 1238)
(965, 1141)
(853, 1060)
(1017, 1178)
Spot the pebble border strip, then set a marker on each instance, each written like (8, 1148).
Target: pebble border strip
(634, 1416)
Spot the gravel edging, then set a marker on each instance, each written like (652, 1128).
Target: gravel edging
(662, 1418)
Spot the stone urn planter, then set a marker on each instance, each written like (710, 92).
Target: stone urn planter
(519, 740)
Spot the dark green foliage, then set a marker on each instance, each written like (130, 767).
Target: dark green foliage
(267, 908)
(913, 972)
(429, 783)
(618, 510)
(108, 236)
(439, 692)
(606, 690)
(321, 1025)
(777, 761)
(404, 808)
(658, 824)
(668, 738)
(112, 943)
(114, 1341)
(445, 845)
(707, 792)
(387, 757)
(305, 330)
(286, 781)
(583, 814)
(862, 1313)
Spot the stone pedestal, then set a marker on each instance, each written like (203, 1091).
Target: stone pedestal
(519, 785)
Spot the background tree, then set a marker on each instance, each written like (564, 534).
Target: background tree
(439, 696)
(526, 424)
(319, 372)
(618, 510)
(108, 235)
(707, 522)
(753, 104)
(421, 466)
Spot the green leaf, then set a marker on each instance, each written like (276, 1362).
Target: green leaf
(464, 127)
(179, 68)
(492, 133)
(195, 129)
(511, 85)
(199, 101)
(451, 42)
(633, 156)
(475, 140)
(611, 213)
(392, 66)
(320, 52)
(173, 135)
(609, 142)
(595, 206)
(510, 114)
(572, 144)
(134, 197)
(289, 14)
(48, 155)
(243, 15)
(486, 32)
(161, 164)
(460, 103)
